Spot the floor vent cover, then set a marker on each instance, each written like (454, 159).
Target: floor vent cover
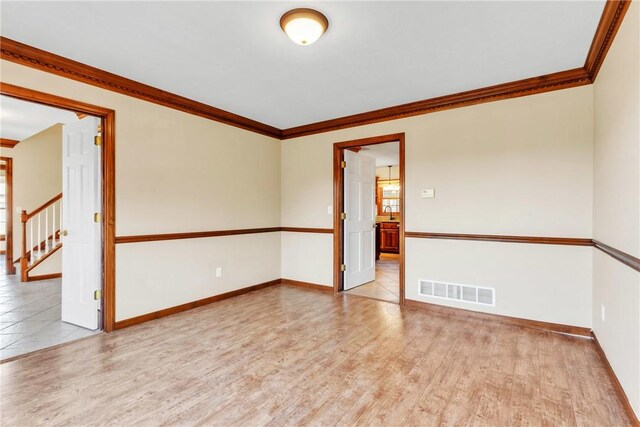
(463, 293)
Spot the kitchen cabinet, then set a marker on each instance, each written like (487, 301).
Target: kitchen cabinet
(389, 237)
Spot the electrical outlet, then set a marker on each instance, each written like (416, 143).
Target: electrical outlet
(602, 312)
(219, 272)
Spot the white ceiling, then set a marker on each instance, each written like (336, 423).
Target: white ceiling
(20, 119)
(385, 154)
(233, 55)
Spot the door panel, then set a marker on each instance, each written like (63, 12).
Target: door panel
(359, 226)
(82, 240)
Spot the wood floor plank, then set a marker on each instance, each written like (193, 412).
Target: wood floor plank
(589, 406)
(555, 396)
(525, 404)
(398, 406)
(291, 356)
(460, 399)
(496, 392)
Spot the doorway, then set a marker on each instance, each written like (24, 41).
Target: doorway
(78, 222)
(369, 217)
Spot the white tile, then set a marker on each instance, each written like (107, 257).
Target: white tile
(8, 339)
(26, 327)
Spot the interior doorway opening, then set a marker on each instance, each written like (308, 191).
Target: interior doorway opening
(60, 290)
(369, 217)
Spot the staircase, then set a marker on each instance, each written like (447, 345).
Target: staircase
(40, 235)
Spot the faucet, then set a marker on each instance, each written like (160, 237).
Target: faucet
(390, 212)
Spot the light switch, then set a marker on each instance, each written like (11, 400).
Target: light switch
(329, 210)
(428, 193)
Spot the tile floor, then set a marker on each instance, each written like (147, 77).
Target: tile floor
(386, 287)
(30, 316)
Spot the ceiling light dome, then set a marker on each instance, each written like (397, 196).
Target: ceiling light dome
(304, 26)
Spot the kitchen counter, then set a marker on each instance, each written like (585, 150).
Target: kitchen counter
(381, 218)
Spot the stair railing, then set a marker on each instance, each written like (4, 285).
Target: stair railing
(40, 234)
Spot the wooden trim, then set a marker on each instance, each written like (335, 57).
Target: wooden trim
(44, 277)
(108, 182)
(307, 230)
(402, 221)
(192, 235)
(622, 396)
(8, 143)
(216, 233)
(338, 204)
(617, 254)
(572, 241)
(45, 61)
(10, 268)
(531, 86)
(43, 206)
(612, 15)
(193, 304)
(307, 285)
(41, 260)
(109, 220)
(29, 56)
(526, 323)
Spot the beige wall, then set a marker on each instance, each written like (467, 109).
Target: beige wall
(37, 177)
(307, 257)
(517, 167)
(179, 271)
(176, 172)
(617, 204)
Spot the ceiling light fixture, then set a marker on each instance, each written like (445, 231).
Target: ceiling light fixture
(391, 187)
(304, 26)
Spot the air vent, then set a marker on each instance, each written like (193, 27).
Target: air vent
(457, 292)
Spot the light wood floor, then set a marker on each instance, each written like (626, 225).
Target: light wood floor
(290, 356)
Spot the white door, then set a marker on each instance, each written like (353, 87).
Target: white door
(81, 241)
(359, 226)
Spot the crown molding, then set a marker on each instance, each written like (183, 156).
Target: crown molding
(610, 21)
(546, 83)
(8, 143)
(608, 26)
(39, 59)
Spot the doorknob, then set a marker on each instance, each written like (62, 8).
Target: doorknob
(65, 232)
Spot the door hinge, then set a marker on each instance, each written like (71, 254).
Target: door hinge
(343, 267)
(343, 215)
(343, 164)
(97, 295)
(97, 140)
(97, 217)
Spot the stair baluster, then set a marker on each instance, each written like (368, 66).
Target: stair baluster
(41, 249)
